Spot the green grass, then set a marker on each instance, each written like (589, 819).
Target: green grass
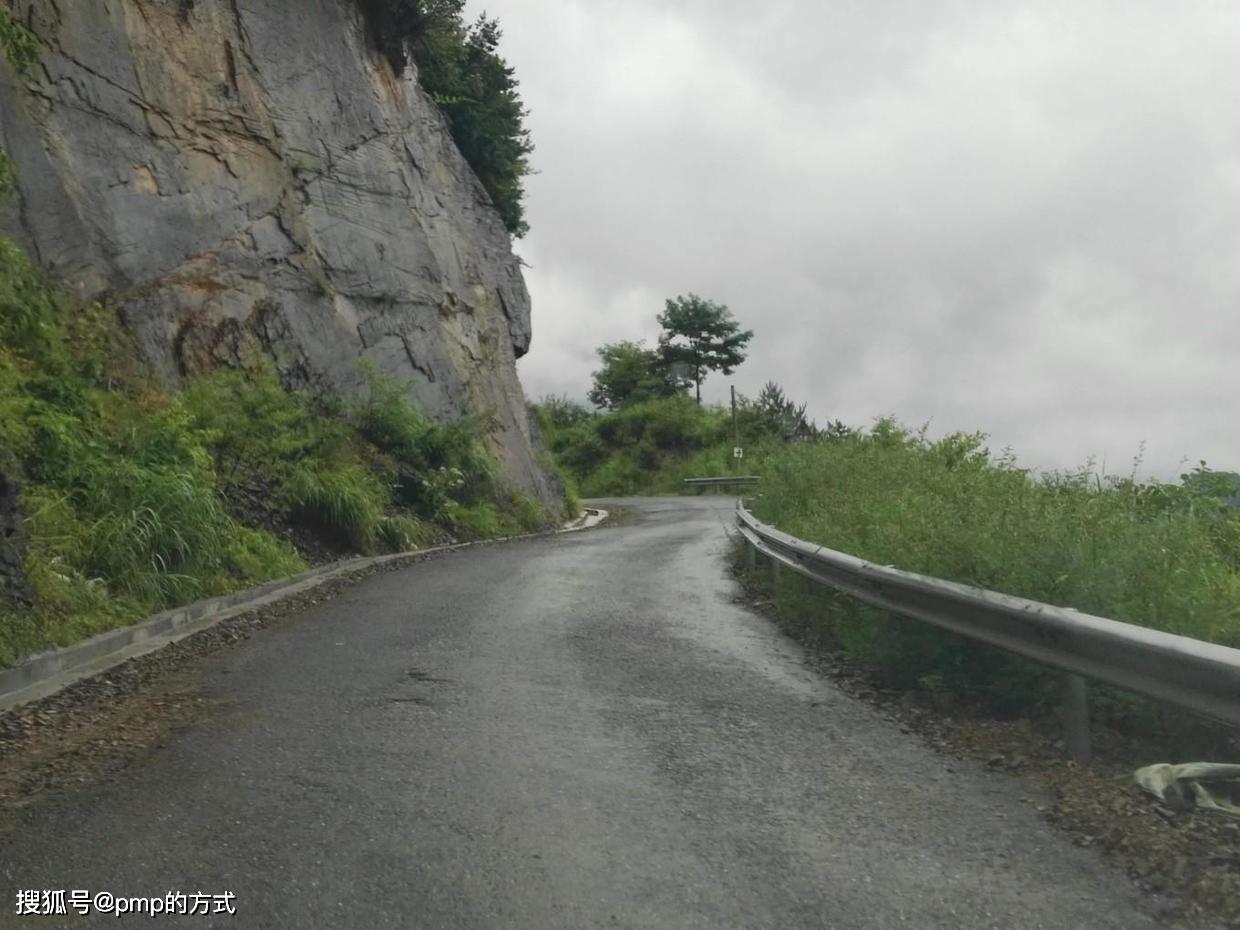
(119, 496)
(1161, 556)
(403, 533)
(345, 502)
(132, 495)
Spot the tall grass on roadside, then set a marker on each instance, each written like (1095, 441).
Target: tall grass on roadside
(373, 473)
(1157, 555)
(433, 462)
(120, 500)
(135, 497)
(345, 502)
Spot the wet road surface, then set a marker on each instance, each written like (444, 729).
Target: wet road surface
(582, 731)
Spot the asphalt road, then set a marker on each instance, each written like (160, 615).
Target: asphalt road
(574, 732)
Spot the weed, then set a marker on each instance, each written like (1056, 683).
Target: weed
(401, 534)
(347, 502)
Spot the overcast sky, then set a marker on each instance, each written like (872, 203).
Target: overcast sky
(1015, 217)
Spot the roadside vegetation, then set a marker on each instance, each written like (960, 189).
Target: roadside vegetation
(1159, 555)
(648, 432)
(651, 446)
(135, 498)
(1165, 556)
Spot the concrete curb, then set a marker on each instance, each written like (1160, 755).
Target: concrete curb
(45, 673)
(591, 517)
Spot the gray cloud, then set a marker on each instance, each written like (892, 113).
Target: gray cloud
(1012, 217)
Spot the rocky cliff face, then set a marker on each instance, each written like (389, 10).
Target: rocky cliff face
(247, 177)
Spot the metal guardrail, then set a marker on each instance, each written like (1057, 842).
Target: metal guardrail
(719, 482)
(1198, 676)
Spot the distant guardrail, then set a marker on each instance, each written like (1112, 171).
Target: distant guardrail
(722, 481)
(1198, 676)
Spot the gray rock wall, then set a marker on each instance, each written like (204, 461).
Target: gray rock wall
(246, 176)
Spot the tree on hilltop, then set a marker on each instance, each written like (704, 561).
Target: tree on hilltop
(782, 417)
(630, 374)
(701, 336)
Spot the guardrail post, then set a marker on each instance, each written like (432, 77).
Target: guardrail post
(775, 578)
(1076, 718)
(751, 556)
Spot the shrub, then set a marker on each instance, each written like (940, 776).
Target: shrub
(19, 46)
(29, 313)
(434, 461)
(523, 514)
(616, 476)
(557, 413)
(773, 414)
(479, 521)
(572, 497)
(401, 534)
(347, 502)
(252, 424)
(640, 447)
(579, 449)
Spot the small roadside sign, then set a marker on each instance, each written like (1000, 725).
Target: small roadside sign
(738, 452)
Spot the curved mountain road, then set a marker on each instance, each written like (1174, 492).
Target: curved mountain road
(573, 732)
